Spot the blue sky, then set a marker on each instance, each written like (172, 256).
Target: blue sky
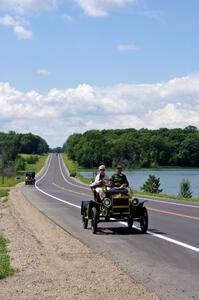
(97, 47)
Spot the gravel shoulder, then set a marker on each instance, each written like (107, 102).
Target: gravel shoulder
(55, 265)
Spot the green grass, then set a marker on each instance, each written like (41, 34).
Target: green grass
(5, 265)
(38, 165)
(4, 193)
(73, 168)
(165, 196)
(11, 181)
(83, 179)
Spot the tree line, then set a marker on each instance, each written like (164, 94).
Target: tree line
(12, 143)
(135, 148)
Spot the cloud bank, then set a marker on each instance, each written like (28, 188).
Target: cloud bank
(61, 112)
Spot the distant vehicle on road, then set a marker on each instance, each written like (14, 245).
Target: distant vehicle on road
(117, 205)
(30, 178)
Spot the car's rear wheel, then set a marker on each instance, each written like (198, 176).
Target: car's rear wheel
(85, 222)
(94, 220)
(144, 220)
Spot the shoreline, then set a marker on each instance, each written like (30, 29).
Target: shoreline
(86, 181)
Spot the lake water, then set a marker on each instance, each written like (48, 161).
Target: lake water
(170, 179)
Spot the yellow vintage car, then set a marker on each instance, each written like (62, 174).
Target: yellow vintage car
(117, 205)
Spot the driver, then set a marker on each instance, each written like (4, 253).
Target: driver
(100, 181)
(119, 180)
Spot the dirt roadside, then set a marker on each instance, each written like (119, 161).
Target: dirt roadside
(53, 264)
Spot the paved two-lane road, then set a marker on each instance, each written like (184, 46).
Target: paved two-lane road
(166, 260)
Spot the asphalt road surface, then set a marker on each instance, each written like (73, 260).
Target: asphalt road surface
(166, 259)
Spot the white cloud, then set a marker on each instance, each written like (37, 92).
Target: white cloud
(19, 8)
(99, 8)
(8, 21)
(68, 18)
(22, 33)
(126, 47)
(43, 72)
(23, 6)
(17, 27)
(168, 104)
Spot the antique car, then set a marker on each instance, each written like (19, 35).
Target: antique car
(117, 205)
(30, 178)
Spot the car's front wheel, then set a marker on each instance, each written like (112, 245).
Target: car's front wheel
(144, 220)
(130, 223)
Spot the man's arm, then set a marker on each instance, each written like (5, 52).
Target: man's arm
(125, 182)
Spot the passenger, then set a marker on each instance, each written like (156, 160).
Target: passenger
(100, 180)
(119, 180)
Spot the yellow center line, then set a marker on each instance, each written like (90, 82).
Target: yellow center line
(150, 209)
(173, 213)
(68, 190)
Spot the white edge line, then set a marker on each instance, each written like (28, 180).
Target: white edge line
(48, 163)
(47, 194)
(167, 239)
(73, 184)
(184, 245)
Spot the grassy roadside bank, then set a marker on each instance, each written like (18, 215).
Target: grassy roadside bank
(4, 193)
(37, 166)
(5, 266)
(5, 261)
(166, 196)
(74, 169)
(3, 197)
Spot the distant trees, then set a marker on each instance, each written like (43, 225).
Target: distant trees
(135, 148)
(152, 185)
(56, 150)
(13, 143)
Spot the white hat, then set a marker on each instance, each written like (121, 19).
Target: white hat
(102, 167)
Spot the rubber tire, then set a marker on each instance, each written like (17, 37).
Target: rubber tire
(85, 223)
(130, 223)
(144, 220)
(94, 220)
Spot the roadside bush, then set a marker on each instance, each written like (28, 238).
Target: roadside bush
(73, 174)
(32, 159)
(152, 185)
(185, 189)
(20, 164)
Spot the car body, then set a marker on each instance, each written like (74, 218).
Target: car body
(30, 178)
(117, 205)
